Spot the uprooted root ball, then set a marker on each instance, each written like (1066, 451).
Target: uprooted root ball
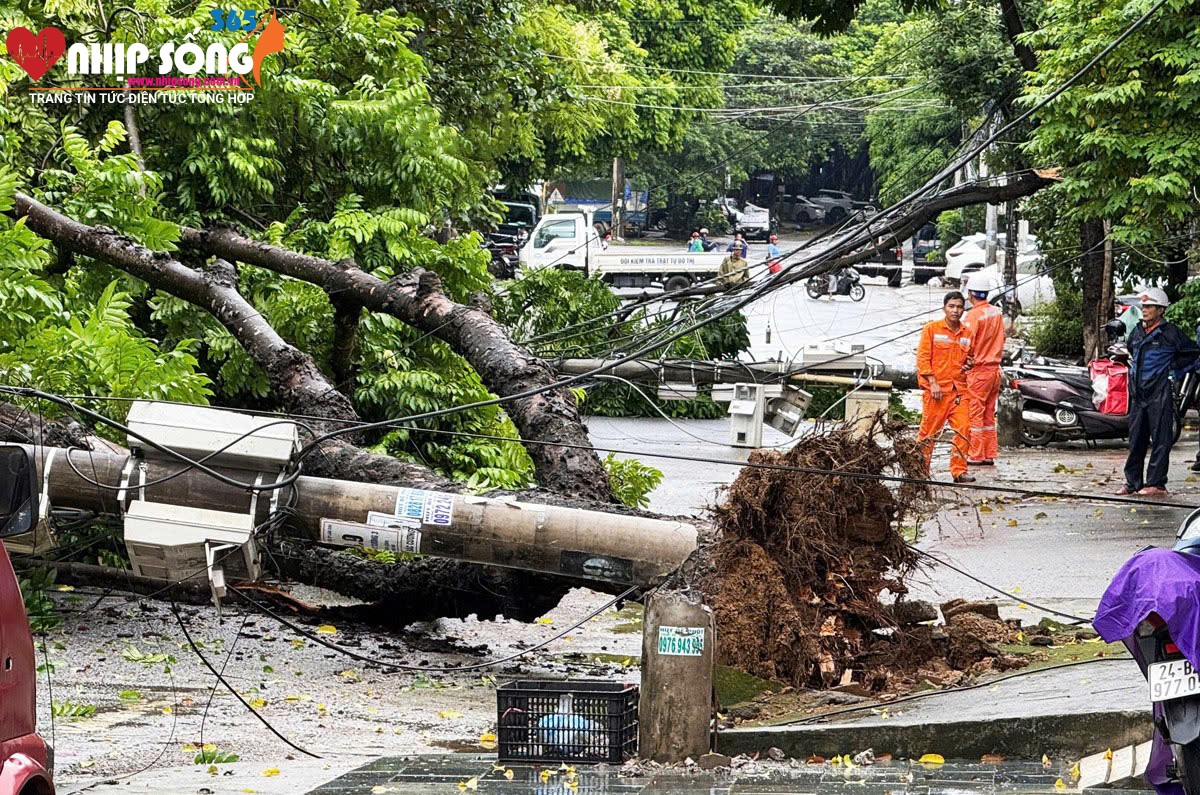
(803, 559)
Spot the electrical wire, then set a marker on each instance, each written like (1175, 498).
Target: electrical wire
(942, 562)
(221, 678)
(27, 392)
(383, 661)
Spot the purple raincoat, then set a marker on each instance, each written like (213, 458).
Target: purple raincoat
(1165, 582)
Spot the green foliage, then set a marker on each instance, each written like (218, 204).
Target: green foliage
(1124, 134)
(1056, 329)
(39, 607)
(212, 755)
(631, 480)
(827, 399)
(72, 710)
(1185, 311)
(710, 217)
(898, 411)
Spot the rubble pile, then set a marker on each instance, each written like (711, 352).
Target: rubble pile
(802, 561)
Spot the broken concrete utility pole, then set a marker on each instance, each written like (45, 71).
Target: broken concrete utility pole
(180, 520)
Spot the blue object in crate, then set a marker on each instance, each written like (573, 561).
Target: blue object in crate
(566, 731)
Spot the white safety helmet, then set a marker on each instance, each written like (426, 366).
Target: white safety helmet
(982, 283)
(1154, 296)
(704, 231)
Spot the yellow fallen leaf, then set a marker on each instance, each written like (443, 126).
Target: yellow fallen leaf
(508, 774)
(545, 776)
(327, 629)
(1076, 772)
(1046, 761)
(932, 759)
(471, 784)
(1059, 785)
(1020, 637)
(1039, 515)
(543, 620)
(563, 768)
(448, 714)
(498, 768)
(572, 785)
(1012, 522)
(836, 761)
(69, 588)
(167, 710)
(257, 703)
(188, 749)
(212, 770)
(626, 662)
(291, 698)
(271, 771)
(984, 509)
(1108, 754)
(379, 730)
(488, 740)
(247, 789)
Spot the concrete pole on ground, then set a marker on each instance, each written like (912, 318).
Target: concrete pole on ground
(678, 652)
(1008, 418)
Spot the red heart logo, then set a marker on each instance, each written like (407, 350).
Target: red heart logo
(36, 54)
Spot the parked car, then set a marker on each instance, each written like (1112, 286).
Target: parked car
(969, 254)
(505, 242)
(839, 205)
(1034, 287)
(886, 262)
(755, 222)
(802, 210)
(26, 760)
(927, 255)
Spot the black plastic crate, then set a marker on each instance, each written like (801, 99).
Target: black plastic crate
(581, 721)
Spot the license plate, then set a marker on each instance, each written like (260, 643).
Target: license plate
(1172, 679)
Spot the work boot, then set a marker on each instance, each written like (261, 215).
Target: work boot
(1196, 465)
(1152, 491)
(987, 462)
(964, 478)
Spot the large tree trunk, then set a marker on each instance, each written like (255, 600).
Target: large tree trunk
(416, 298)
(1095, 312)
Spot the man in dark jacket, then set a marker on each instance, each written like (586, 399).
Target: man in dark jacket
(1156, 347)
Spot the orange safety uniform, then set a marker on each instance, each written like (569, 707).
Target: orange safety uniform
(941, 354)
(986, 323)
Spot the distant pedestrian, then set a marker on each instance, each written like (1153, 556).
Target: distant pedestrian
(986, 323)
(735, 269)
(740, 242)
(709, 245)
(773, 255)
(695, 245)
(943, 359)
(1156, 346)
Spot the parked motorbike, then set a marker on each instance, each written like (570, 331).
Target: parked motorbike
(849, 282)
(1058, 402)
(1151, 606)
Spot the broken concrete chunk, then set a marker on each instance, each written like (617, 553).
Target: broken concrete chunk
(956, 606)
(914, 612)
(713, 761)
(776, 753)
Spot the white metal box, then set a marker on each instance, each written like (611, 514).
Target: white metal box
(174, 542)
(197, 431)
(746, 415)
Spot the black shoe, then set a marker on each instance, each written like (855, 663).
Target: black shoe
(1196, 466)
(964, 478)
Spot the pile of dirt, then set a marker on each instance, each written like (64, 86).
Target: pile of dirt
(797, 574)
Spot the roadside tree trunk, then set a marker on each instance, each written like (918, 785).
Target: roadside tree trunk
(1092, 270)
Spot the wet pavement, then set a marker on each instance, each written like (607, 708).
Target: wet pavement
(415, 775)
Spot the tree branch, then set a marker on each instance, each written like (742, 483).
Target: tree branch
(417, 299)
(1014, 27)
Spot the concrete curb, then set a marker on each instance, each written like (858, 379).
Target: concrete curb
(1068, 736)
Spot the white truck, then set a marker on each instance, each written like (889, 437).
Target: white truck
(571, 241)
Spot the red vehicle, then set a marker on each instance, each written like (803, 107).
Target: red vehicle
(26, 760)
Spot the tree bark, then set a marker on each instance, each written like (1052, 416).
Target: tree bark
(1012, 304)
(506, 368)
(1014, 26)
(1095, 313)
(1175, 253)
(346, 318)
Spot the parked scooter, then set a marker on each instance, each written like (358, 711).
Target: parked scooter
(1151, 606)
(849, 282)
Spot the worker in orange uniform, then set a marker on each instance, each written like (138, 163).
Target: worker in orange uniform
(986, 323)
(943, 359)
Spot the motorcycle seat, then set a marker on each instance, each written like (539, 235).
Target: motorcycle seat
(1081, 381)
